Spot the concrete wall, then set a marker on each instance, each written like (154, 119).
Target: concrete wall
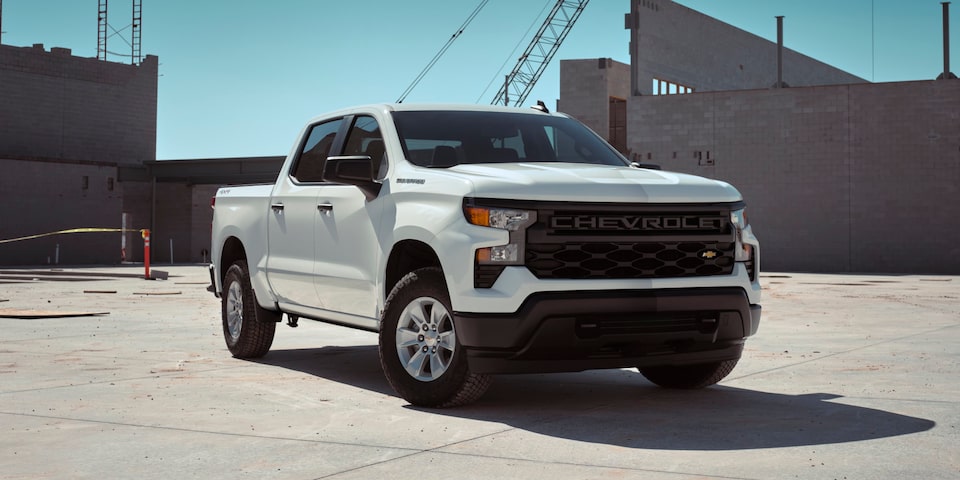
(689, 48)
(54, 105)
(851, 178)
(41, 197)
(586, 88)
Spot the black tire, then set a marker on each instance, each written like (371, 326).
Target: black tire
(438, 376)
(247, 328)
(689, 377)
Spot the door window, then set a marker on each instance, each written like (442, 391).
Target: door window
(309, 165)
(365, 139)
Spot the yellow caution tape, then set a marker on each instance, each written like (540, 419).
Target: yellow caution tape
(74, 230)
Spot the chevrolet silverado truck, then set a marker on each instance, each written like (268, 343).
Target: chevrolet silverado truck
(481, 240)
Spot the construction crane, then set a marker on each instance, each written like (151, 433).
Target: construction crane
(541, 50)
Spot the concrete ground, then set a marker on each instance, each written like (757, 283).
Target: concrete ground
(849, 377)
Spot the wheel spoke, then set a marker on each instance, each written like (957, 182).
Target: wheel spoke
(417, 315)
(448, 341)
(407, 338)
(416, 363)
(437, 366)
(438, 314)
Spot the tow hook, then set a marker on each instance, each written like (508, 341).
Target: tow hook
(292, 321)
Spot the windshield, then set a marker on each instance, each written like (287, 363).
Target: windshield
(447, 138)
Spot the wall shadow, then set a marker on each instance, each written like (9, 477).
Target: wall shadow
(619, 407)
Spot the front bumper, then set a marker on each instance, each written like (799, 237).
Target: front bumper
(582, 330)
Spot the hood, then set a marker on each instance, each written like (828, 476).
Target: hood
(591, 183)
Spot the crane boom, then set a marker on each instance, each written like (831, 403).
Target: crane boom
(541, 50)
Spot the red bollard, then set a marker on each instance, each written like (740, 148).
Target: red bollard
(146, 253)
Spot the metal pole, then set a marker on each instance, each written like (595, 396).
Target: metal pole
(779, 51)
(1, 22)
(506, 91)
(946, 40)
(145, 233)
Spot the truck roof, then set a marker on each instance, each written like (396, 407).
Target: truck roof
(421, 107)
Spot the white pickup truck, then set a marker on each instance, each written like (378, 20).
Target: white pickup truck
(480, 240)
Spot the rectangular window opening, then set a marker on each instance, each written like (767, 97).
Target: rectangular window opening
(664, 87)
(618, 124)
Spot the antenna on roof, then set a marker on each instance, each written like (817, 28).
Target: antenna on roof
(541, 107)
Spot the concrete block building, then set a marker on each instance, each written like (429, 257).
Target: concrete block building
(78, 151)
(840, 175)
(67, 126)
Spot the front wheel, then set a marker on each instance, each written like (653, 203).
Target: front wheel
(419, 351)
(689, 377)
(247, 328)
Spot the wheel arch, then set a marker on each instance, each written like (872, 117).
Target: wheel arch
(231, 251)
(407, 256)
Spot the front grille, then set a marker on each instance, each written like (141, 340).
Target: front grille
(620, 240)
(629, 260)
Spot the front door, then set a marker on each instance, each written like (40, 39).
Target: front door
(293, 213)
(348, 250)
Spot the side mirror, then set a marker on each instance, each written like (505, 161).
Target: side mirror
(353, 170)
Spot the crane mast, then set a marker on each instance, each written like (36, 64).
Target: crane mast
(541, 50)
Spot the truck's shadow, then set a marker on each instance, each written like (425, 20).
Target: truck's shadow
(619, 407)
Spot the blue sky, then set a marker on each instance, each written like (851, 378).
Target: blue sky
(239, 78)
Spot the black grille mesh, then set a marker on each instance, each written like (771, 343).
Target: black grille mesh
(629, 260)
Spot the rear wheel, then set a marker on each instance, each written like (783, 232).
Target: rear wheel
(419, 351)
(689, 377)
(247, 328)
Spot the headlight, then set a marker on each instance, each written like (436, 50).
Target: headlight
(739, 220)
(502, 218)
(500, 255)
(512, 220)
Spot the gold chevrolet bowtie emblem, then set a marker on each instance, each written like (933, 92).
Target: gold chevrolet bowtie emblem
(709, 254)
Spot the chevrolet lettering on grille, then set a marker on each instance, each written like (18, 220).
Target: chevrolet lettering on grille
(636, 222)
